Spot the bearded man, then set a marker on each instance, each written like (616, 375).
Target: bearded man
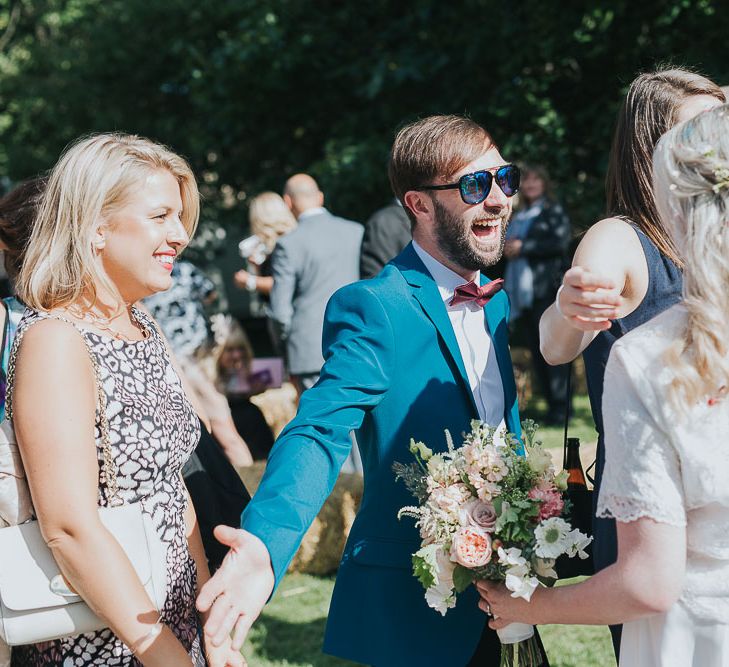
(418, 349)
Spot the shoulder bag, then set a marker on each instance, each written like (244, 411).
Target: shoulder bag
(36, 603)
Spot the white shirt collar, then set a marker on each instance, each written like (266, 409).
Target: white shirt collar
(311, 212)
(445, 279)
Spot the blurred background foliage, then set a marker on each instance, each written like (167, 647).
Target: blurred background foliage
(252, 91)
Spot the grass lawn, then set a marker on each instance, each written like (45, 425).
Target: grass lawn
(291, 629)
(581, 424)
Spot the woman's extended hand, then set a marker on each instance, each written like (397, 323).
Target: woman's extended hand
(588, 300)
(496, 601)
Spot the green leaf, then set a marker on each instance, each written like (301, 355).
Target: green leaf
(425, 565)
(462, 578)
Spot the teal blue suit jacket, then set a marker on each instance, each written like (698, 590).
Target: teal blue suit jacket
(392, 371)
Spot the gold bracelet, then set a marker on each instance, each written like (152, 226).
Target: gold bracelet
(154, 632)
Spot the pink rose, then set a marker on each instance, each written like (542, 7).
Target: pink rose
(478, 514)
(471, 547)
(551, 502)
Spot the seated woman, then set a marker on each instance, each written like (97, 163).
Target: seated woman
(116, 213)
(232, 377)
(666, 409)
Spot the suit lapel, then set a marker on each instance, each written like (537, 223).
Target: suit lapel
(426, 293)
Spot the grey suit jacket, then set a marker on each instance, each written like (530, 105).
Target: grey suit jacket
(309, 264)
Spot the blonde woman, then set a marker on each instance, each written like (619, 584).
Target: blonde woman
(269, 218)
(666, 406)
(116, 213)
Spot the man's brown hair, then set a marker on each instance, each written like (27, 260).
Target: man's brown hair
(650, 109)
(431, 148)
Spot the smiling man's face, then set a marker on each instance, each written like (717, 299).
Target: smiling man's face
(471, 236)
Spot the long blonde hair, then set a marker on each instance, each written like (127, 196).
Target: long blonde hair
(691, 172)
(93, 178)
(270, 218)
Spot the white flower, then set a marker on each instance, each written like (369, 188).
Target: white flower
(419, 448)
(441, 598)
(539, 460)
(439, 470)
(579, 542)
(521, 585)
(445, 569)
(511, 557)
(553, 538)
(544, 567)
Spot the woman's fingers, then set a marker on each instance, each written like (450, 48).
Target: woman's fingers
(585, 279)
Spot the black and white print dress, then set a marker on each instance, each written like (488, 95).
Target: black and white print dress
(153, 430)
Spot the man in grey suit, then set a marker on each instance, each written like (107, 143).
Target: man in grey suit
(309, 264)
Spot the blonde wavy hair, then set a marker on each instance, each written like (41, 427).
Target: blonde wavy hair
(691, 176)
(270, 218)
(93, 178)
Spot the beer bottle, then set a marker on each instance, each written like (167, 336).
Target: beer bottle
(573, 465)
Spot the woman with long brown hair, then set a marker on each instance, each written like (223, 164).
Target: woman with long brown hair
(626, 269)
(667, 432)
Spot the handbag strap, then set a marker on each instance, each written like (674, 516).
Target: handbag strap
(108, 475)
(567, 424)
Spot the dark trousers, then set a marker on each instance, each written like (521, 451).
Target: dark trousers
(488, 651)
(552, 379)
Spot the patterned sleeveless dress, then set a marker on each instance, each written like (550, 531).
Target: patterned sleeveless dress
(153, 431)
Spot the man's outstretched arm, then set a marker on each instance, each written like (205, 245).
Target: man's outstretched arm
(359, 352)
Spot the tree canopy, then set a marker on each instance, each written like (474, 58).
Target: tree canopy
(252, 91)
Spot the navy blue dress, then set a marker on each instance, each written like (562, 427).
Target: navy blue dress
(664, 290)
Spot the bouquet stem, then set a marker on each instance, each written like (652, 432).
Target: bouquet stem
(519, 646)
(521, 654)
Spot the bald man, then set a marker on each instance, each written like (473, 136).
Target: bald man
(309, 264)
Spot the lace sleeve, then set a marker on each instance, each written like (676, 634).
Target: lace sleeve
(642, 475)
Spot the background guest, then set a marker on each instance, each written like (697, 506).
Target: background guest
(269, 218)
(180, 310)
(386, 233)
(232, 359)
(537, 241)
(309, 265)
(17, 211)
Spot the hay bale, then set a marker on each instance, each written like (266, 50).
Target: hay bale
(322, 546)
(278, 406)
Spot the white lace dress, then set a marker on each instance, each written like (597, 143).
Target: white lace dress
(675, 472)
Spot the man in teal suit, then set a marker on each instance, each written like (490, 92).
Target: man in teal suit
(408, 354)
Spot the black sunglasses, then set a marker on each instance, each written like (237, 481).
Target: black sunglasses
(475, 187)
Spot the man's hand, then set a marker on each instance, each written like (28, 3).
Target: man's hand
(234, 596)
(587, 300)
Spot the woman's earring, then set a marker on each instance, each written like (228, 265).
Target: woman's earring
(99, 244)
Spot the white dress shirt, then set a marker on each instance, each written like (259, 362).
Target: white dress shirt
(474, 341)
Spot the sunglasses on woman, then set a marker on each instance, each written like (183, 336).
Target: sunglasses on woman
(475, 187)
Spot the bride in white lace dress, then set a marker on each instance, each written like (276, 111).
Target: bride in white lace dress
(666, 410)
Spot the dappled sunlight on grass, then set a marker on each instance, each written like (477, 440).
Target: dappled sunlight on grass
(291, 630)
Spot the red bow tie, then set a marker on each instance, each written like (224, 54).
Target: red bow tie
(472, 292)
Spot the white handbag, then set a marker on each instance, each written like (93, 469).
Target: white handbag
(36, 604)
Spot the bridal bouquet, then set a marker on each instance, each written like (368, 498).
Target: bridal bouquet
(485, 511)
